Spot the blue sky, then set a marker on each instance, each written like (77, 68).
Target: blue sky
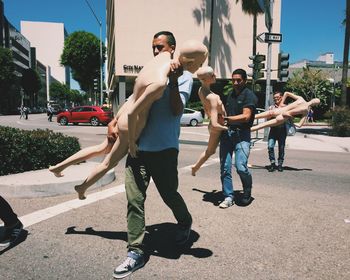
(309, 27)
(312, 27)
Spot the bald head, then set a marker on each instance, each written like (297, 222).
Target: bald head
(204, 72)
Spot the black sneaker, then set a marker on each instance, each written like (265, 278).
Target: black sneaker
(271, 167)
(247, 196)
(183, 234)
(11, 234)
(280, 168)
(133, 262)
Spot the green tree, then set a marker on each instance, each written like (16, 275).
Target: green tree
(76, 97)
(311, 83)
(60, 93)
(6, 78)
(252, 8)
(82, 54)
(346, 54)
(31, 84)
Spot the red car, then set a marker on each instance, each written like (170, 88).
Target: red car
(86, 114)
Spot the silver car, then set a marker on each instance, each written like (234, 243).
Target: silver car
(191, 117)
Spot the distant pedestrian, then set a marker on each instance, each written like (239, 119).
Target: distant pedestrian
(49, 112)
(13, 226)
(310, 115)
(26, 112)
(21, 112)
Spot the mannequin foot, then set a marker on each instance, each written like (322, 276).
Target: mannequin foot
(81, 192)
(55, 171)
(194, 170)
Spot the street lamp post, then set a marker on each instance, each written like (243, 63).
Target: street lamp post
(101, 59)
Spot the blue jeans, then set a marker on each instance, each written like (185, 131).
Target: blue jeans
(278, 134)
(239, 143)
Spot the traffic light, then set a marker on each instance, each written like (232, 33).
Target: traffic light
(283, 65)
(257, 66)
(95, 84)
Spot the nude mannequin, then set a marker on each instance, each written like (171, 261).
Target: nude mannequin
(132, 116)
(215, 110)
(298, 107)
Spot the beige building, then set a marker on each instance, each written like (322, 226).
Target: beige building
(131, 25)
(48, 39)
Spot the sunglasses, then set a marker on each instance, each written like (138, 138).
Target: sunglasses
(158, 47)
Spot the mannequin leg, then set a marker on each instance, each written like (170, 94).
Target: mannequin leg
(80, 156)
(274, 122)
(213, 142)
(119, 150)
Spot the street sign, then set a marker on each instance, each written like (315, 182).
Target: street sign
(273, 38)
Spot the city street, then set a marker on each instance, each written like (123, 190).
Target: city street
(295, 228)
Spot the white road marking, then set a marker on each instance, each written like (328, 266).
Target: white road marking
(50, 212)
(44, 214)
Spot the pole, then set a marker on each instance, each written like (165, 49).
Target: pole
(101, 65)
(101, 60)
(268, 73)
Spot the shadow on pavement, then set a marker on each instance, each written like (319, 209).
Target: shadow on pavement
(285, 168)
(21, 238)
(318, 131)
(215, 197)
(102, 233)
(159, 241)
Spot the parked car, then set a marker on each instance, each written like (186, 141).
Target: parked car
(191, 117)
(85, 114)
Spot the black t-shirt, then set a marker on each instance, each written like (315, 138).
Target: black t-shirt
(235, 104)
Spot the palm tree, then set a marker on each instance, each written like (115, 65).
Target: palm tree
(345, 55)
(251, 7)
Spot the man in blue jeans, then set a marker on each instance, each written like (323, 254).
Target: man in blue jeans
(240, 109)
(158, 147)
(277, 134)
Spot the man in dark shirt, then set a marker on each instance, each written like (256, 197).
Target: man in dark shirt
(240, 109)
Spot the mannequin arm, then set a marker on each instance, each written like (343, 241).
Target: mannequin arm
(301, 122)
(214, 113)
(112, 130)
(289, 94)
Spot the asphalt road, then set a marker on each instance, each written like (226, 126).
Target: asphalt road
(295, 228)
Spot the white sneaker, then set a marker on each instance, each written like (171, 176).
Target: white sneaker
(133, 262)
(228, 202)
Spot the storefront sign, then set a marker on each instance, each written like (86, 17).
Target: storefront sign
(132, 68)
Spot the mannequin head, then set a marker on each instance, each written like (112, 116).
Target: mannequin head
(206, 75)
(192, 55)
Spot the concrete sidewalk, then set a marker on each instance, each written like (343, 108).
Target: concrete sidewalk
(44, 183)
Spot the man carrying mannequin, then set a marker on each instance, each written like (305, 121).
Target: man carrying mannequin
(157, 157)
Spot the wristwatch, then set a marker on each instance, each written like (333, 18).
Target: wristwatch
(225, 121)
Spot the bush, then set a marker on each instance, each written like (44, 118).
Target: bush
(340, 122)
(22, 150)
